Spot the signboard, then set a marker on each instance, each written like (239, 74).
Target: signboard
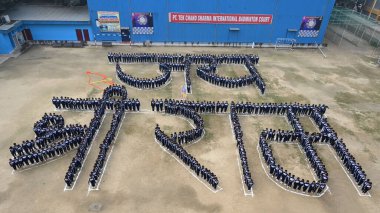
(108, 21)
(142, 23)
(209, 18)
(310, 26)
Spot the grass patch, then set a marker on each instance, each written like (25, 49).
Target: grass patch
(346, 98)
(367, 122)
(289, 99)
(209, 135)
(93, 92)
(291, 76)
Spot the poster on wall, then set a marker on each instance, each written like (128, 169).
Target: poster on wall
(310, 26)
(108, 21)
(142, 23)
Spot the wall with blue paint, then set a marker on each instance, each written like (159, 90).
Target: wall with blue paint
(56, 30)
(44, 30)
(5, 43)
(287, 14)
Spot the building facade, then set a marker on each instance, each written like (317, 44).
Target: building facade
(193, 21)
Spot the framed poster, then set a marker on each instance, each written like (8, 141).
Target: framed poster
(142, 23)
(310, 26)
(108, 21)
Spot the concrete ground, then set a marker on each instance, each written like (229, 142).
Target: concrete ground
(141, 177)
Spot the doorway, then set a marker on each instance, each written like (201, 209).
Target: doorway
(27, 35)
(125, 35)
(86, 35)
(79, 34)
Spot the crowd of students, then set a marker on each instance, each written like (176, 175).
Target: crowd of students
(52, 139)
(144, 83)
(127, 58)
(99, 112)
(93, 103)
(238, 132)
(328, 135)
(199, 106)
(208, 73)
(292, 111)
(279, 173)
(178, 62)
(174, 142)
(187, 76)
(98, 168)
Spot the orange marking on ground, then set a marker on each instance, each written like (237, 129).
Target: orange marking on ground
(103, 79)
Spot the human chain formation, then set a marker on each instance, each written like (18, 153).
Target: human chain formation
(326, 135)
(99, 112)
(329, 136)
(258, 109)
(93, 103)
(174, 142)
(144, 83)
(282, 175)
(198, 107)
(108, 140)
(52, 139)
(208, 73)
(238, 132)
(82, 136)
(178, 62)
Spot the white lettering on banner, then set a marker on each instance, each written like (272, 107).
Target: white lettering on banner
(264, 19)
(191, 18)
(204, 18)
(248, 18)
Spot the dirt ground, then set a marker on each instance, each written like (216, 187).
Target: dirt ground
(141, 177)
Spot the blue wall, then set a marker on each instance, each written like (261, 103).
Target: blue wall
(54, 30)
(44, 30)
(5, 43)
(287, 14)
